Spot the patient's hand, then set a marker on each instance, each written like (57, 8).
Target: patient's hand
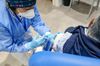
(60, 40)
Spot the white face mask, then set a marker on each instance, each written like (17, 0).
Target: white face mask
(28, 14)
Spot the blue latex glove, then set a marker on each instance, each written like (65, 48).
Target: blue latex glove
(49, 36)
(35, 43)
(49, 40)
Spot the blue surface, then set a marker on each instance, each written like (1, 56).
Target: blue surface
(60, 59)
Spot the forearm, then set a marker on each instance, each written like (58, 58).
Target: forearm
(41, 29)
(14, 48)
(38, 24)
(26, 46)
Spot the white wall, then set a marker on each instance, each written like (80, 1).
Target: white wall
(57, 3)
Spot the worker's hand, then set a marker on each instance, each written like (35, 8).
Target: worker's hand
(43, 40)
(36, 42)
(49, 40)
(49, 36)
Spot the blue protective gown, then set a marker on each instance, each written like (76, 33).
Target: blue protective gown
(14, 30)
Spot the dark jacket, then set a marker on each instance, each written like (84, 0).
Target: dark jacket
(80, 44)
